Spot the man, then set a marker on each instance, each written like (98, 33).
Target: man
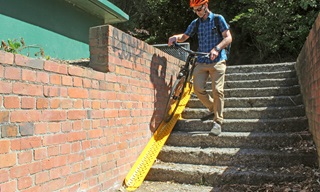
(209, 41)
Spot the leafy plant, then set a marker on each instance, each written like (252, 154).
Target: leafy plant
(15, 46)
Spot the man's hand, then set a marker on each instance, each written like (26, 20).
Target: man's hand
(171, 40)
(213, 54)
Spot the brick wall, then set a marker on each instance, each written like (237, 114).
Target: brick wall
(308, 69)
(71, 128)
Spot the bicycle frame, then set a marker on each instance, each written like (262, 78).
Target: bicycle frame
(184, 76)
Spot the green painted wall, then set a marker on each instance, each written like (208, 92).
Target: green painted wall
(60, 28)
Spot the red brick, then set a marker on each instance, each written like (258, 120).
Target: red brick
(54, 185)
(95, 133)
(54, 127)
(9, 186)
(42, 77)
(76, 167)
(75, 178)
(25, 157)
(33, 189)
(11, 102)
(24, 182)
(27, 89)
(42, 103)
(78, 93)
(29, 75)
(67, 80)
(87, 83)
(4, 175)
(41, 177)
(9, 130)
(30, 142)
(55, 173)
(78, 104)
(54, 139)
(65, 149)
(6, 58)
(50, 91)
(25, 116)
(4, 116)
(12, 73)
(5, 146)
(8, 160)
(76, 71)
(54, 162)
(77, 114)
(53, 151)
(28, 102)
(25, 170)
(40, 153)
(55, 67)
(76, 147)
(76, 157)
(40, 128)
(77, 82)
(5, 87)
(55, 103)
(53, 115)
(76, 136)
(55, 79)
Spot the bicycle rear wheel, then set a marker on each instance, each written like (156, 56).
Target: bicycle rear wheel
(174, 98)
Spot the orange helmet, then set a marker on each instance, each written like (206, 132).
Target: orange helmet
(194, 3)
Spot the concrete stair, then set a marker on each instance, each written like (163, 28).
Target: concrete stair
(265, 136)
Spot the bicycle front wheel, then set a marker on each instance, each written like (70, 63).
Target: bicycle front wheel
(174, 98)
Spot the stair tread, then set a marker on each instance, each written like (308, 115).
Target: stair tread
(244, 134)
(246, 108)
(221, 170)
(225, 121)
(258, 88)
(290, 151)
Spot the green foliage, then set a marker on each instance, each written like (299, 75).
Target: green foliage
(263, 30)
(276, 29)
(15, 46)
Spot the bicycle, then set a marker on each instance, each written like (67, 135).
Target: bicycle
(184, 76)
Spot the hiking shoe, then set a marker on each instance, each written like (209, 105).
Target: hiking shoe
(216, 129)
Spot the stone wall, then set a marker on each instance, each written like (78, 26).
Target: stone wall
(71, 128)
(308, 69)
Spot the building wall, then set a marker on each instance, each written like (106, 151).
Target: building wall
(308, 69)
(71, 128)
(60, 28)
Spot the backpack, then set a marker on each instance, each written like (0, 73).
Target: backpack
(217, 27)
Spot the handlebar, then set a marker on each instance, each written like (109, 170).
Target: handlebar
(175, 44)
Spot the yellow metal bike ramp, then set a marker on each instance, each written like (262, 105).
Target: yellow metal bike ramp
(148, 156)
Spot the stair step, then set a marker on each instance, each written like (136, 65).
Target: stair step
(222, 175)
(238, 156)
(294, 124)
(260, 75)
(238, 139)
(249, 113)
(260, 68)
(254, 101)
(259, 92)
(258, 83)
(169, 186)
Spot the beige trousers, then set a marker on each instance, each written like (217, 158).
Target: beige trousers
(215, 102)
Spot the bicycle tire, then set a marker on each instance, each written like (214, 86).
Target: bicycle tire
(174, 98)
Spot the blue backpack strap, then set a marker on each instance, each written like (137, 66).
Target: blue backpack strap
(216, 23)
